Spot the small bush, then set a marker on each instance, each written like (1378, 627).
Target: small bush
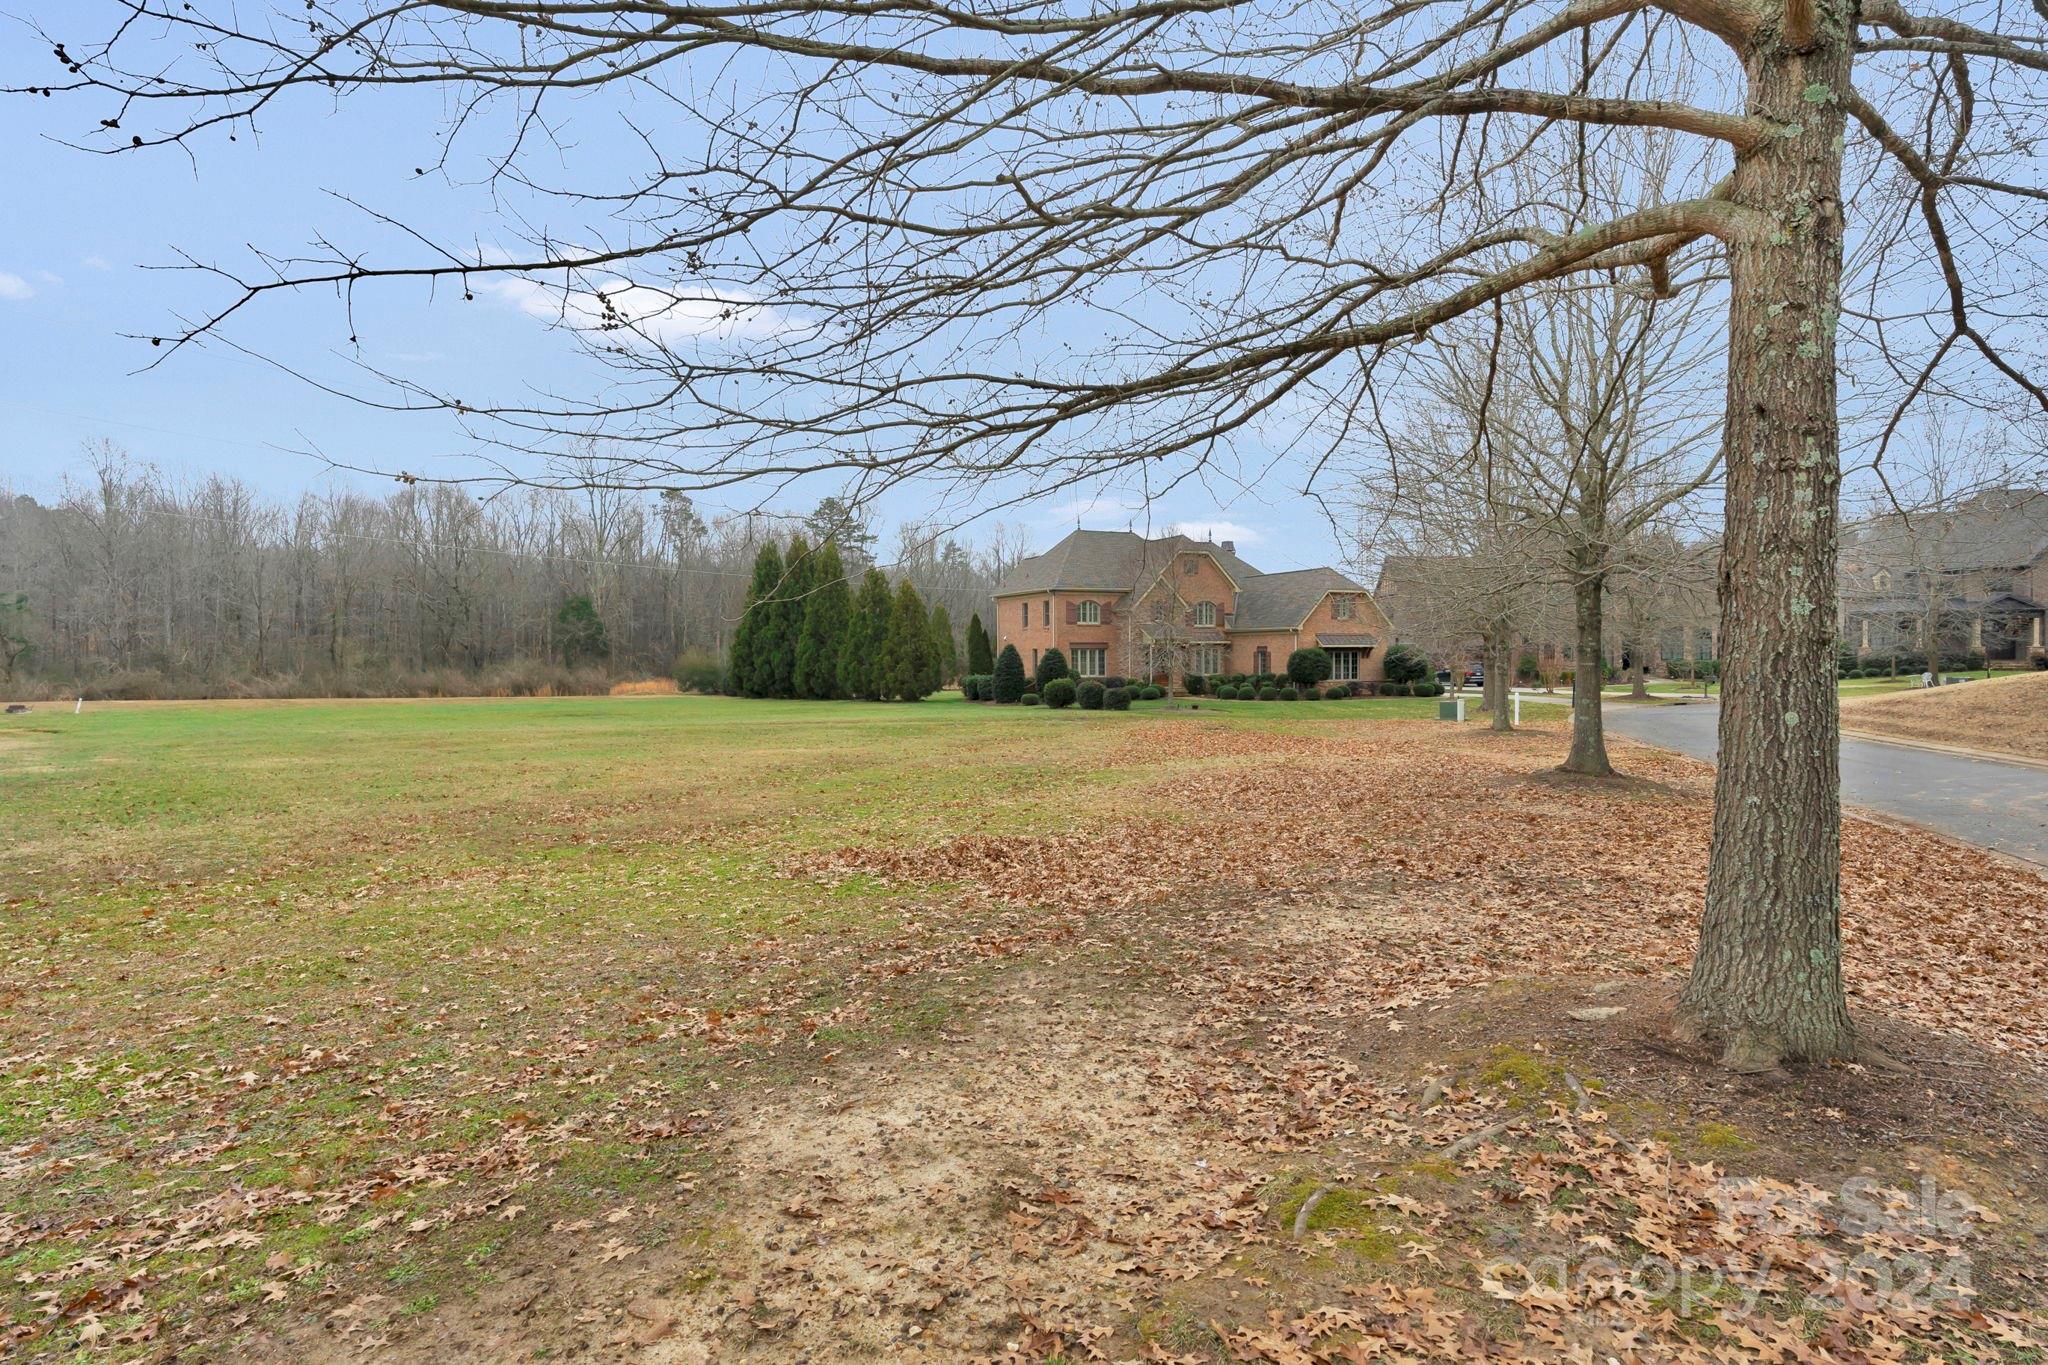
(1393, 689)
(1337, 692)
(970, 687)
(1059, 693)
(1407, 664)
(1151, 692)
(1090, 695)
(1117, 699)
(1429, 689)
(1269, 693)
(1290, 693)
(698, 670)
(1029, 699)
(1311, 694)
(1196, 684)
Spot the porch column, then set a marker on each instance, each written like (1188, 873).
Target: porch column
(1977, 633)
(1864, 648)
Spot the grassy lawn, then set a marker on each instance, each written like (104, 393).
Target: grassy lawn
(336, 1027)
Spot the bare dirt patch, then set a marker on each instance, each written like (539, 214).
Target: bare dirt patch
(1997, 715)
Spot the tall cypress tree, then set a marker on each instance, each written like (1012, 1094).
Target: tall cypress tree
(907, 651)
(1008, 675)
(785, 618)
(945, 654)
(860, 656)
(826, 614)
(752, 669)
(981, 654)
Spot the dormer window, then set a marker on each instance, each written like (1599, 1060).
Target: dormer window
(1340, 607)
(1090, 614)
(1881, 580)
(1205, 613)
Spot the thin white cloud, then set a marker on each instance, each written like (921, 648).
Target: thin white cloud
(1219, 531)
(96, 262)
(669, 316)
(15, 288)
(50, 277)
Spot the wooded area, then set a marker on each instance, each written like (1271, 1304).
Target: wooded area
(131, 584)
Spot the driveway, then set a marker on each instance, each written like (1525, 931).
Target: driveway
(2002, 806)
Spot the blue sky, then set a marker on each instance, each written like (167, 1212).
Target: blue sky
(82, 253)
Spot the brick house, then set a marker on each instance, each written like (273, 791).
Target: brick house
(1117, 604)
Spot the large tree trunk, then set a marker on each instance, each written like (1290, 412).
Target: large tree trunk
(1589, 739)
(1638, 680)
(1767, 981)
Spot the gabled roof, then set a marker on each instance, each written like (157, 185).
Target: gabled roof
(1111, 561)
(1282, 601)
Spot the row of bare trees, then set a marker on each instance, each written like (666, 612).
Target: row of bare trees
(131, 580)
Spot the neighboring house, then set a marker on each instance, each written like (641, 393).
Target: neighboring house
(1118, 604)
(1422, 597)
(1980, 568)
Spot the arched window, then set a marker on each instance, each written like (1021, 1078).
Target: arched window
(1205, 613)
(1090, 614)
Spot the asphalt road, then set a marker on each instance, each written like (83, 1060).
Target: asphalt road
(2002, 806)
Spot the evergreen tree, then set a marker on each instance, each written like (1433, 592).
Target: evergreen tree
(826, 615)
(752, 665)
(580, 630)
(907, 650)
(981, 654)
(1051, 664)
(1009, 675)
(945, 654)
(860, 656)
(785, 618)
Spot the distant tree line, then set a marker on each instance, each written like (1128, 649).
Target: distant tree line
(131, 583)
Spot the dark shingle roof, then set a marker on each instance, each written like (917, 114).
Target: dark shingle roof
(1111, 561)
(1282, 601)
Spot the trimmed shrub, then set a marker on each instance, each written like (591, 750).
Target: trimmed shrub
(1307, 667)
(1429, 689)
(1393, 689)
(1290, 693)
(1269, 693)
(1007, 684)
(1051, 664)
(1407, 664)
(1029, 699)
(1117, 699)
(1150, 692)
(1196, 684)
(1060, 692)
(1311, 694)
(1338, 692)
(970, 687)
(1116, 680)
(1090, 695)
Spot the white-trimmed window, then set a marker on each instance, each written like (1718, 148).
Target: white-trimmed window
(1344, 665)
(1091, 661)
(1089, 614)
(1341, 607)
(1206, 659)
(1044, 612)
(1205, 613)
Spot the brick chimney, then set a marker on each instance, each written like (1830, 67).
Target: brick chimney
(1230, 547)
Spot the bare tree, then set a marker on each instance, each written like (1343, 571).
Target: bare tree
(848, 268)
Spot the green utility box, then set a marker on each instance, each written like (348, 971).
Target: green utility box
(1451, 708)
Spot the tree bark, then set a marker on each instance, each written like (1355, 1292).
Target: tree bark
(1497, 682)
(1589, 739)
(1767, 981)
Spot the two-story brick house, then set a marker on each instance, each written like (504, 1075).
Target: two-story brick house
(1116, 603)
